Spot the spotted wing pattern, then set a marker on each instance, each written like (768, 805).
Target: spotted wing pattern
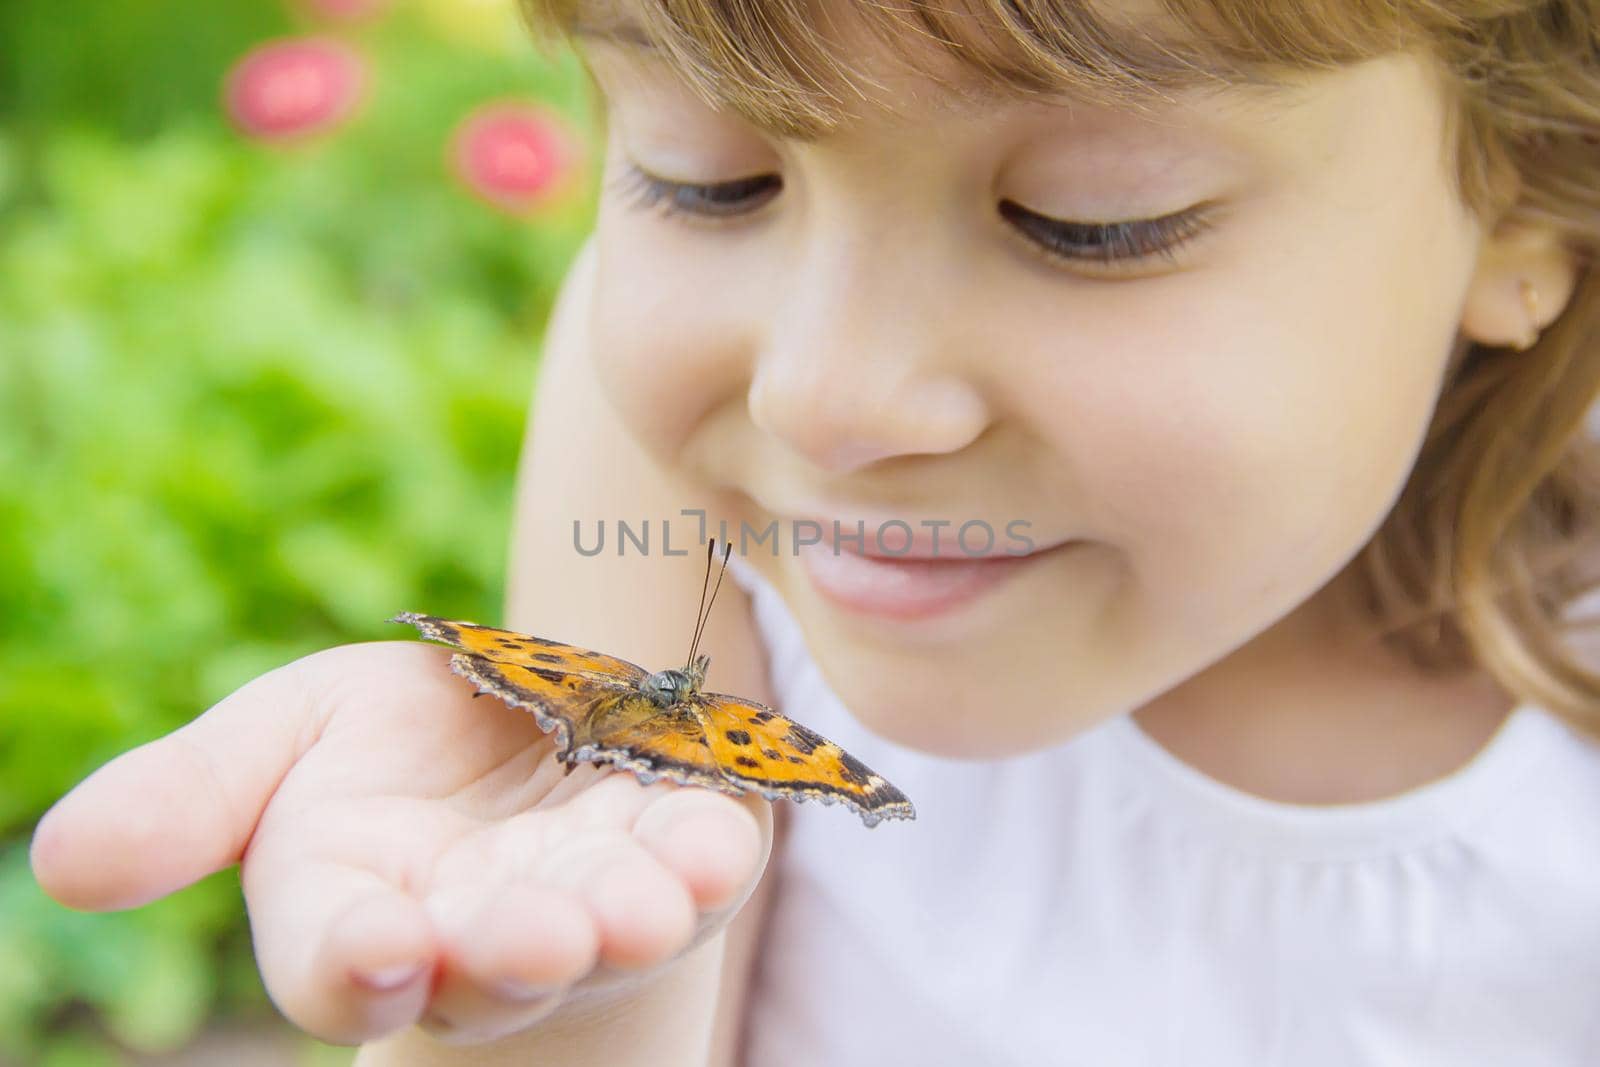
(508, 646)
(601, 722)
(759, 749)
(593, 706)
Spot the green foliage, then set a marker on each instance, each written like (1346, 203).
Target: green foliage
(149, 974)
(252, 402)
(131, 67)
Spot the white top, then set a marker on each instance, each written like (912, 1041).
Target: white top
(1105, 904)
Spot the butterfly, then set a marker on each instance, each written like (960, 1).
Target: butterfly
(603, 709)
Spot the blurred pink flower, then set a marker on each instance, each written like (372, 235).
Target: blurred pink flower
(512, 154)
(294, 88)
(345, 10)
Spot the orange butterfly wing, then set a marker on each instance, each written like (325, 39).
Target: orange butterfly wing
(588, 700)
(508, 646)
(591, 702)
(759, 749)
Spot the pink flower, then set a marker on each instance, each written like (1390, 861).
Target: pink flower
(345, 10)
(294, 88)
(512, 154)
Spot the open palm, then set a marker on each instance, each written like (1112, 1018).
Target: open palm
(408, 853)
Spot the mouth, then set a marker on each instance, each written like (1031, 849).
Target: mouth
(930, 577)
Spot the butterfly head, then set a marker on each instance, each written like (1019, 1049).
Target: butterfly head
(666, 688)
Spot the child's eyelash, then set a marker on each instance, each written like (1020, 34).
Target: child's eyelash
(721, 200)
(1106, 243)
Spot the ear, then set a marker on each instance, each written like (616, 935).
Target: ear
(1523, 280)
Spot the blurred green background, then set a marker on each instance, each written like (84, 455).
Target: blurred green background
(253, 401)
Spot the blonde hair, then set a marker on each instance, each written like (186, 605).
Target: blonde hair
(1494, 537)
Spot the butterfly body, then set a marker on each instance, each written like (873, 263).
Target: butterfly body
(604, 709)
(665, 688)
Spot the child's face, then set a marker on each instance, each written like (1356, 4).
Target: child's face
(874, 329)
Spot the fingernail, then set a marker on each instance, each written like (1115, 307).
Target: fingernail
(388, 979)
(516, 989)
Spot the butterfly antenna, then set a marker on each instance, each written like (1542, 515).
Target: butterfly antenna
(705, 617)
(699, 613)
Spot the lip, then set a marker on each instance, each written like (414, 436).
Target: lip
(903, 540)
(931, 578)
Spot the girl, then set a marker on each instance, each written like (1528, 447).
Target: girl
(1272, 325)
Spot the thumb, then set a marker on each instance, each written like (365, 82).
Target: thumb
(181, 807)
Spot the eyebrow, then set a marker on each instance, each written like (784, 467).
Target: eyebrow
(614, 31)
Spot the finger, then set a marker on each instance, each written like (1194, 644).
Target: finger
(693, 851)
(507, 954)
(174, 810)
(568, 896)
(532, 906)
(344, 955)
(581, 847)
(641, 911)
(580, 903)
(714, 844)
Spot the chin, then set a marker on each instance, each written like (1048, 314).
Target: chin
(936, 722)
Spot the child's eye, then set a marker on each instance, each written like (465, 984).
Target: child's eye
(1107, 243)
(720, 200)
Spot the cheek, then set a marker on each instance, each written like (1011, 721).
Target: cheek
(1240, 432)
(666, 347)
(1240, 461)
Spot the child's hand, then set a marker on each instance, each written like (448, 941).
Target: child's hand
(408, 852)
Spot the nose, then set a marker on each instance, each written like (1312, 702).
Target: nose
(857, 368)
